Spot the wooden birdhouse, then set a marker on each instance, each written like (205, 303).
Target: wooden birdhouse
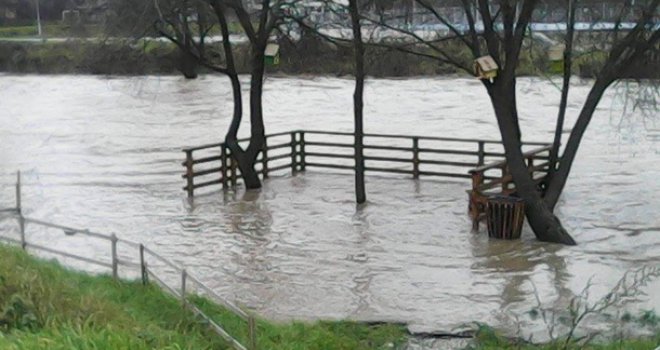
(272, 54)
(485, 68)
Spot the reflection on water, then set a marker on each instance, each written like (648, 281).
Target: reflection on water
(104, 154)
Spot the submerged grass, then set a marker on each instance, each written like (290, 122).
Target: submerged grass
(45, 306)
(489, 339)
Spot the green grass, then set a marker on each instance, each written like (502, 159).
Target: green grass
(489, 339)
(55, 29)
(45, 306)
(49, 29)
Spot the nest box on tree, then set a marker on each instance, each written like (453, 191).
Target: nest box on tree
(272, 54)
(485, 68)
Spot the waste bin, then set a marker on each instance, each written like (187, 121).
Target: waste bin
(505, 216)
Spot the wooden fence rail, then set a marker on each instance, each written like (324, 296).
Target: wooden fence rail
(146, 271)
(417, 156)
(486, 184)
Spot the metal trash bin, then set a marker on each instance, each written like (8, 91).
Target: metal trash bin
(505, 216)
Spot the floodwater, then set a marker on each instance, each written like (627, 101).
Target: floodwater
(104, 154)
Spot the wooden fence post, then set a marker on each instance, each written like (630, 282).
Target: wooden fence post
(415, 157)
(252, 333)
(184, 275)
(143, 267)
(482, 153)
(115, 261)
(189, 173)
(223, 166)
(505, 173)
(303, 161)
(474, 205)
(234, 179)
(264, 159)
(293, 153)
(19, 210)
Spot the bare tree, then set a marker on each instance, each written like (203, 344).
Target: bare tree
(358, 101)
(257, 27)
(498, 29)
(355, 40)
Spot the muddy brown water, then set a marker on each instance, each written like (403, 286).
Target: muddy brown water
(104, 154)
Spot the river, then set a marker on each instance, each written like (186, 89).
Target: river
(104, 154)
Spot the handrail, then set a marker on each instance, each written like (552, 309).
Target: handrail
(147, 271)
(221, 170)
(167, 262)
(233, 308)
(213, 145)
(67, 230)
(497, 165)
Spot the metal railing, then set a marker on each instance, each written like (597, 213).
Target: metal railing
(417, 156)
(146, 272)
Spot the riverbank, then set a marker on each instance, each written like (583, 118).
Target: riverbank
(45, 306)
(307, 56)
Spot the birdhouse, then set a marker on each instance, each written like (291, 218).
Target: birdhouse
(556, 58)
(272, 54)
(485, 67)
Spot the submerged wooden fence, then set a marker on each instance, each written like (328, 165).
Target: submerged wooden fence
(145, 260)
(416, 156)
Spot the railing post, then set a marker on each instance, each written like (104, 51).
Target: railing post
(115, 261)
(143, 267)
(505, 173)
(234, 180)
(252, 333)
(474, 206)
(264, 159)
(184, 275)
(293, 153)
(19, 210)
(189, 174)
(303, 161)
(415, 157)
(223, 166)
(482, 153)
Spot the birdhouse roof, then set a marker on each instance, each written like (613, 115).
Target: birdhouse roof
(272, 49)
(487, 63)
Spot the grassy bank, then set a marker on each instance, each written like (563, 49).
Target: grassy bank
(489, 339)
(308, 56)
(45, 306)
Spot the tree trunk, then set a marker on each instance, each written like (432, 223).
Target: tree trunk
(246, 159)
(187, 65)
(566, 85)
(558, 180)
(546, 226)
(358, 103)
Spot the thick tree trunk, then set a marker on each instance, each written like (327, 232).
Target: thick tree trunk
(187, 65)
(546, 226)
(248, 174)
(246, 159)
(358, 103)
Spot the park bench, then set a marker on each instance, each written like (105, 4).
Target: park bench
(495, 179)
